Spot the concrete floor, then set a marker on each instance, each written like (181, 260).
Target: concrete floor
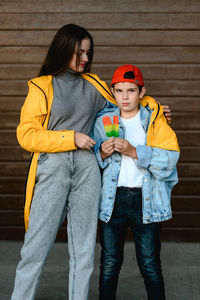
(180, 261)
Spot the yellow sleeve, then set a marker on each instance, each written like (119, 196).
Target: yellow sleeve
(30, 132)
(161, 135)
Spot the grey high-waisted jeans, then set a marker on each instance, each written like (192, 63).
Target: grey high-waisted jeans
(66, 183)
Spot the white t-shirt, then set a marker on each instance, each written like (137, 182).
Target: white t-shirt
(130, 175)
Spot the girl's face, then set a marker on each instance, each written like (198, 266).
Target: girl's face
(83, 54)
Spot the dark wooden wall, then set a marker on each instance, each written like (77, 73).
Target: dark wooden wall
(161, 37)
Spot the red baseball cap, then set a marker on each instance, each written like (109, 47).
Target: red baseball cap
(128, 73)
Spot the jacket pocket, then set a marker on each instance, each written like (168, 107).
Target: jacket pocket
(42, 158)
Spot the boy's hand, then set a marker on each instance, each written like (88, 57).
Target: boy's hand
(107, 148)
(124, 147)
(167, 113)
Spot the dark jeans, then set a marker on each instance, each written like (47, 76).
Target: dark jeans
(128, 213)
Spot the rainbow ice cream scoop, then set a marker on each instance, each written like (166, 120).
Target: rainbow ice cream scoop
(108, 126)
(115, 126)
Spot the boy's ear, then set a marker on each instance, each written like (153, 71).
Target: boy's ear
(142, 93)
(112, 90)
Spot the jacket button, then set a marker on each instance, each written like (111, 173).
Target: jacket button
(147, 199)
(145, 179)
(148, 220)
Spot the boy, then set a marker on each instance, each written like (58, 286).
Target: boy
(138, 174)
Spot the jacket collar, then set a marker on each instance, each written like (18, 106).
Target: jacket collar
(145, 114)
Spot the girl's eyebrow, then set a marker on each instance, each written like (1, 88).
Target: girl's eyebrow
(83, 50)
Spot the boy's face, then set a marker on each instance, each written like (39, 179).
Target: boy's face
(128, 97)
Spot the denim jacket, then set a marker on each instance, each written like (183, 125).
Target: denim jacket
(159, 178)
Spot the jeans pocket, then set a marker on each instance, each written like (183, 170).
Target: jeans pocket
(91, 151)
(42, 158)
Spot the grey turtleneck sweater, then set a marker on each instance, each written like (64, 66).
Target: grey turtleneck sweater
(75, 103)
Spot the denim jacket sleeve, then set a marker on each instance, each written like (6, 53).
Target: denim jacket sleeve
(159, 162)
(99, 136)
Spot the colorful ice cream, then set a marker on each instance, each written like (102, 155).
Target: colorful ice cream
(115, 126)
(108, 126)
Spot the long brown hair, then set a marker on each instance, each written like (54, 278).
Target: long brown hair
(62, 49)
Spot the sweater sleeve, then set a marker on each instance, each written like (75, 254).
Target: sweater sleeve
(30, 132)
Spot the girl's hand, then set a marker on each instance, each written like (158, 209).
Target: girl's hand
(83, 141)
(124, 147)
(107, 148)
